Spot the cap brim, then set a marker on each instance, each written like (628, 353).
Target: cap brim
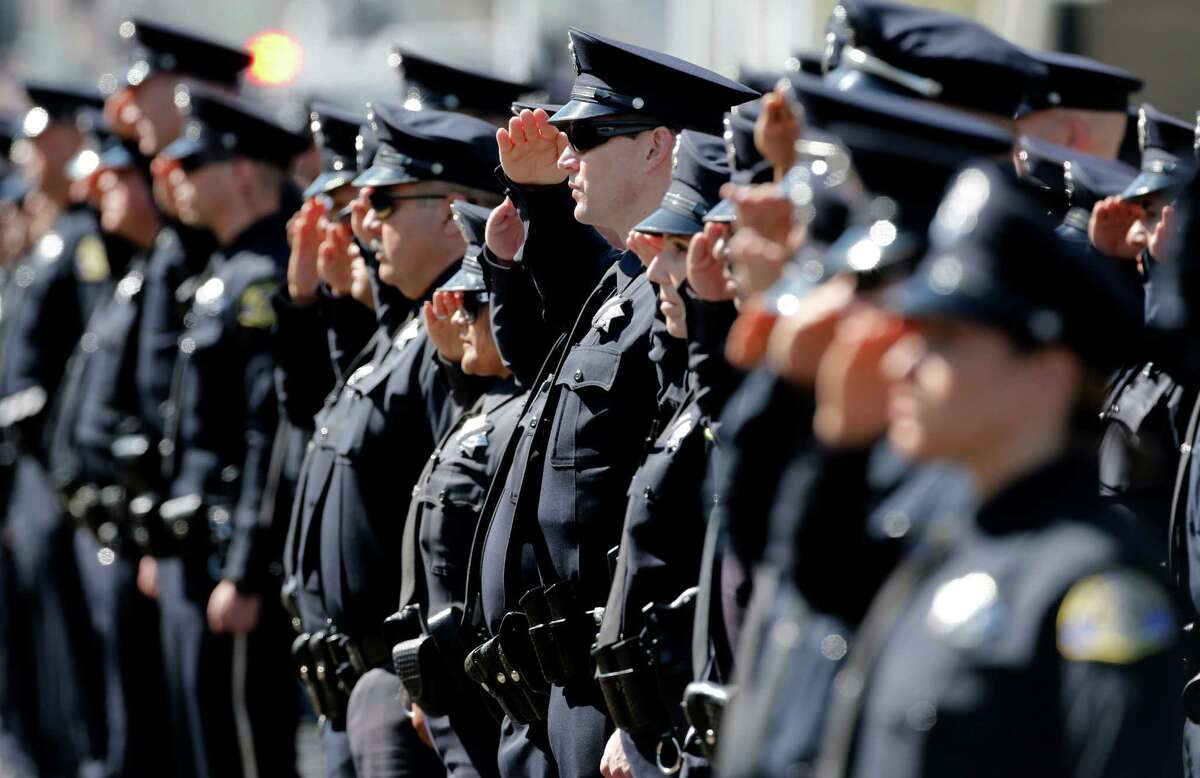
(463, 281)
(665, 222)
(722, 213)
(1150, 183)
(378, 175)
(181, 148)
(582, 109)
(326, 183)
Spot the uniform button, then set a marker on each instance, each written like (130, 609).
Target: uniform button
(442, 497)
(1114, 410)
(578, 375)
(89, 342)
(833, 647)
(648, 493)
(897, 524)
(187, 345)
(324, 433)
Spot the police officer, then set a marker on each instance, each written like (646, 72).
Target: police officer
(662, 538)
(233, 702)
(377, 429)
(444, 511)
(428, 83)
(96, 407)
(986, 652)
(62, 698)
(608, 154)
(845, 508)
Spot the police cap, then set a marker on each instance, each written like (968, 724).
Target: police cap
(220, 127)
(1168, 154)
(335, 131)
(1075, 81)
(431, 146)
(700, 167)
(472, 221)
(157, 47)
(53, 102)
(995, 260)
(432, 84)
(619, 79)
(882, 45)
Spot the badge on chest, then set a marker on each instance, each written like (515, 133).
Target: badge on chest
(612, 315)
(472, 435)
(680, 431)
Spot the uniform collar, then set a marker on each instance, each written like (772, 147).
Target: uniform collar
(1039, 496)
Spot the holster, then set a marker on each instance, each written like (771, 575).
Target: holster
(704, 705)
(333, 675)
(667, 636)
(561, 631)
(430, 666)
(626, 680)
(305, 664)
(199, 530)
(506, 668)
(146, 526)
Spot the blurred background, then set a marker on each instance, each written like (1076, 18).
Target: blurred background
(338, 50)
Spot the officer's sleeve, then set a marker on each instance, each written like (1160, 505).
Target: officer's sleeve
(521, 336)
(257, 539)
(1115, 632)
(304, 367)
(48, 325)
(565, 259)
(708, 325)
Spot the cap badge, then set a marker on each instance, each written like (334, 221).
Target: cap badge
(574, 59)
(959, 212)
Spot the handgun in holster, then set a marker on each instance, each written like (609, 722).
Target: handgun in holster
(704, 704)
(506, 668)
(667, 638)
(431, 665)
(627, 682)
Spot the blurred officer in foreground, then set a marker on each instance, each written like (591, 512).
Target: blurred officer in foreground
(62, 697)
(593, 171)
(442, 517)
(232, 696)
(162, 58)
(377, 429)
(1036, 633)
(428, 83)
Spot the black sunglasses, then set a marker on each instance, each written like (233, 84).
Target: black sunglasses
(585, 134)
(473, 303)
(384, 202)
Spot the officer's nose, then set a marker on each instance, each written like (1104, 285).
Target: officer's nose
(568, 161)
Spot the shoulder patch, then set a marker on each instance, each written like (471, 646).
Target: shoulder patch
(254, 306)
(50, 247)
(1116, 617)
(91, 260)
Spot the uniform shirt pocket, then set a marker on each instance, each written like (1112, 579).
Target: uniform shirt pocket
(583, 431)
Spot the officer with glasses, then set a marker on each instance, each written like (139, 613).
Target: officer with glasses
(578, 183)
(380, 424)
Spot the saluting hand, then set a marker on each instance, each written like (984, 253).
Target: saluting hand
(304, 236)
(851, 387)
(1111, 228)
(530, 147)
(763, 208)
(776, 131)
(334, 258)
(705, 269)
(1162, 241)
(646, 247)
(439, 321)
(505, 233)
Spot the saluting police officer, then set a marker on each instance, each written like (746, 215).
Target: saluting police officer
(233, 701)
(444, 512)
(593, 171)
(1037, 635)
(384, 418)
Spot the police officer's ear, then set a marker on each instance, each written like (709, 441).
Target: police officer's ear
(660, 148)
(448, 226)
